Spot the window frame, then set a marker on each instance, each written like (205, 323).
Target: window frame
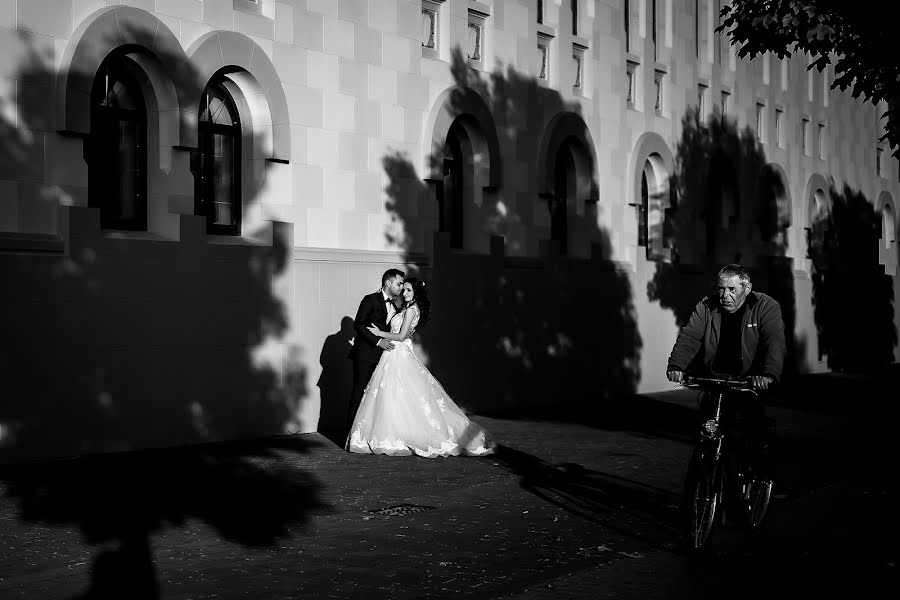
(434, 7)
(477, 18)
(779, 127)
(822, 142)
(702, 99)
(578, 65)
(659, 105)
(631, 84)
(761, 123)
(204, 196)
(806, 136)
(543, 47)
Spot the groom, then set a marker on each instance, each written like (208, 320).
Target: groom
(375, 308)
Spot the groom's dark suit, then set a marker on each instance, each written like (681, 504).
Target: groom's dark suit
(365, 352)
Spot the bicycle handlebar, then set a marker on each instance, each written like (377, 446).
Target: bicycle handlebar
(736, 385)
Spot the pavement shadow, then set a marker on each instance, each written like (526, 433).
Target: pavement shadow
(336, 382)
(539, 325)
(636, 510)
(248, 492)
(651, 416)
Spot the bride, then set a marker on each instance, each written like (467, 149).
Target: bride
(404, 409)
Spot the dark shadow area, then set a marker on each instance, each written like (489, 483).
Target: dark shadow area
(639, 511)
(335, 382)
(853, 298)
(248, 492)
(651, 415)
(545, 329)
(729, 205)
(114, 342)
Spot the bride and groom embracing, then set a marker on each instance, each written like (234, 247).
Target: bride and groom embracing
(397, 407)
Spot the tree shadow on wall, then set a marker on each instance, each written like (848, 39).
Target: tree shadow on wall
(853, 297)
(729, 205)
(517, 328)
(112, 343)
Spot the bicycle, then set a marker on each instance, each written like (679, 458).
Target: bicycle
(719, 470)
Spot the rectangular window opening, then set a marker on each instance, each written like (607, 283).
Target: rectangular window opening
(627, 25)
(577, 66)
(475, 41)
(574, 17)
(760, 121)
(779, 127)
(630, 83)
(543, 62)
(429, 28)
(805, 134)
(659, 92)
(822, 141)
(696, 27)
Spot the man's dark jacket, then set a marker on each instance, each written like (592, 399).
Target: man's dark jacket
(372, 309)
(762, 337)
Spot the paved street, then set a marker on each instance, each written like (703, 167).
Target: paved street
(565, 510)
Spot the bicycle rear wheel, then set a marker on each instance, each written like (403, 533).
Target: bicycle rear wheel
(703, 496)
(755, 484)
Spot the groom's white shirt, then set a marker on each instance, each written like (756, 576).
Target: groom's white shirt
(391, 311)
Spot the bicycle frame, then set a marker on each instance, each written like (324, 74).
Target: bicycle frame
(708, 473)
(711, 428)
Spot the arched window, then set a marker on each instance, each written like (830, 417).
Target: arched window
(888, 228)
(117, 175)
(218, 181)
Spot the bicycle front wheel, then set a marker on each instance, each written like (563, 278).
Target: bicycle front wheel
(703, 495)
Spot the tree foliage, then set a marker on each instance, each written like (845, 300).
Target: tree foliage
(857, 38)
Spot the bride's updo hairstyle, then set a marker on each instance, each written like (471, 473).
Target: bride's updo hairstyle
(420, 297)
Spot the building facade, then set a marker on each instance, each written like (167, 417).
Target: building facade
(195, 195)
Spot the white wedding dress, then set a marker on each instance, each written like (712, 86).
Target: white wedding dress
(405, 410)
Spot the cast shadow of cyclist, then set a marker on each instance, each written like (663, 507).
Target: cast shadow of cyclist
(636, 510)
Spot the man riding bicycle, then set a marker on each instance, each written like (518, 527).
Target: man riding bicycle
(737, 333)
